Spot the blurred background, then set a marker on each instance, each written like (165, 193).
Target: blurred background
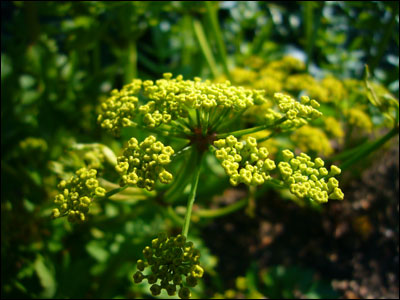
(59, 60)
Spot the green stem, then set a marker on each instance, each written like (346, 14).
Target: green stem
(174, 216)
(212, 16)
(375, 100)
(126, 190)
(218, 118)
(131, 61)
(114, 191)
(233, 120)
(271, 135)
(276, 183)
(349, 152)
(242, 132)
(220, 212)
(185, 37)
(192, 197)
(383, 43)
(262, 34)
(250, 209)
(181, 150)
(183, 127)
(205, 47)
(371, 148)
(165, 132)
(180, 182)
(308, 16)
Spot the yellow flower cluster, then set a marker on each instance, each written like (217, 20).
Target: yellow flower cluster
(121, 107)
(313, 139)
(296, 113)
(142, 164)
(244, 162)
(77, 195)
(288, 63)
(243, 76)
(358, 118)
(329, 89)
(333, 127)
(94, 158)
(170, 99)
(307, 178)
(32, 144)
(271, 144)
(170, 259)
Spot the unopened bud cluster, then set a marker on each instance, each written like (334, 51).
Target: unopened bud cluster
(142, 164)
(77, 195)
(296, 113)
(310, 179)
(244, 162)
(173, 263)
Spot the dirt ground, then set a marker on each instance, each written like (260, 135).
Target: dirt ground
(352, 243)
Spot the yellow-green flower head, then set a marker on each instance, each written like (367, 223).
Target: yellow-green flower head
(288, 64)
(169, 99)
(244, 162)
(333, 127)
(296, 113)
(77, 194)
(271, 144)
(309, 138)
(176, 92)
(243, 76)
(32, 144)
(142, 164)
(121, 107)
(358, 118)
(310, 179)
(335, 89)
(270, 84)
(254, 62)
(94, 159)
(172, 263)
(300, 82)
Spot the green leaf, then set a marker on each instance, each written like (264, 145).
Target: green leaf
(97, 251)
(6, 67)
(46, 277)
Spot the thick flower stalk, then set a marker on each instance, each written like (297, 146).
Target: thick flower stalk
(244, 162)
(310, 179)
(172, 263)
(142, 164)
(77, 195)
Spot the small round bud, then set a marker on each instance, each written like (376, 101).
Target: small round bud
(155, 289)
(138, 277)
(184, 293)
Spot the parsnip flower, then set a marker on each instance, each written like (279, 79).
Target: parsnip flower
(142, 164)
(244, 162)
(77, 195)
(169, 99)
(310, 179)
